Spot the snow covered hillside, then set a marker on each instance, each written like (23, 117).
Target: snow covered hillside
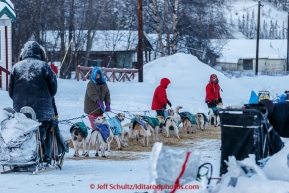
(242, 16)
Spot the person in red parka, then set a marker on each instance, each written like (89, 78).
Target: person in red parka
(213, 92)
(160, 99)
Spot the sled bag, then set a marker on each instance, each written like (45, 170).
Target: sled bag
(244, 132)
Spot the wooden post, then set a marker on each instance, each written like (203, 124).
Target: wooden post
(258, 32)
(140, 43)
(77, 72)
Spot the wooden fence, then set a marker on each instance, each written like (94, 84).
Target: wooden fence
(3, 72)
(111, 74)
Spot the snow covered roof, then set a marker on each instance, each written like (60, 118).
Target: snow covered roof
(104, 40)
(237, 49)
(6, 7)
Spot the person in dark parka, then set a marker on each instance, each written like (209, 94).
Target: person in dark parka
(32, 83)
(278, 115)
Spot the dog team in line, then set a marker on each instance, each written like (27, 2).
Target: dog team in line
(33, 83)
(141, 127)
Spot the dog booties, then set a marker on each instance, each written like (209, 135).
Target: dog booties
(115, 125)
(82, 126)
(190, 116)
(104, 131)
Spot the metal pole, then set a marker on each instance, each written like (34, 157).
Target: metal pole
(140, 43)
(258, 32)
(287, 67)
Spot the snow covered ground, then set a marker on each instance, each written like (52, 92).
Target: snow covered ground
(188, 80)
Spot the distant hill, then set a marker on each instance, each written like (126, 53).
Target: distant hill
(242, 16)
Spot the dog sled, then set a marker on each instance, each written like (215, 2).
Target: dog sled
(247, 131)
(20, 147)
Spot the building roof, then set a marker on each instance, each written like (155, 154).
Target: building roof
(104, 40)
(6, 7)
(237, 49)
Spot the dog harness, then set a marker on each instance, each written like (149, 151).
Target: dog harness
(152, 121)
(82, 127)
(190, 116)
(137, 120)
(115, 125)
(215, 110)
(104, 131)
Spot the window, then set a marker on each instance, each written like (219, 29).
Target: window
(248, 64)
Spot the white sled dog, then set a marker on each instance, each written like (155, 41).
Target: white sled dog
(170, 122)
(216, 117)
(97, 139)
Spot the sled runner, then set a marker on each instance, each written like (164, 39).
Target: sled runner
(20, 147)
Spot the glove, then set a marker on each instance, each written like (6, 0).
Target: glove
(220, 100)
(214, 101)
(100, 104)
(56, 117)
(164, 106)
(107, 107)
(169, 103)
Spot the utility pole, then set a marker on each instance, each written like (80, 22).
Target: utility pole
(140, 43)
(258, 32)
(287, 66)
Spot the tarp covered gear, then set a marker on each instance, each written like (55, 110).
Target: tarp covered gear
(18, 142)
(173, 166)
(246, 176)
(246, 131)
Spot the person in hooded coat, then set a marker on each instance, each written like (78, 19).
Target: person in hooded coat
(96, 94)
(213, 92)
(278, 116)
(160, 99)
(32, 83)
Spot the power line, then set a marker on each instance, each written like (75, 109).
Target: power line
(245, 8)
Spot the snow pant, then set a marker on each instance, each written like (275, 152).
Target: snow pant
(211, 105)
